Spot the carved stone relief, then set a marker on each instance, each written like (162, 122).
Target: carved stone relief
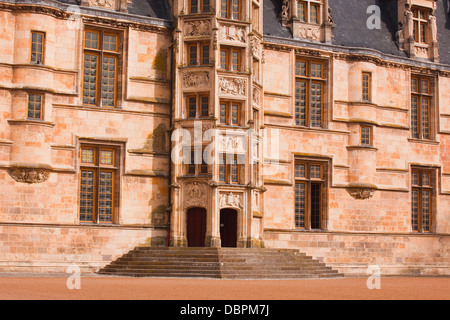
(198, 28)
(29, 175)
(195, 195)
(109, 4)
(284, 16)
(361, 192)
(234, 86)
(255, 47)
(232, 33)
(256, 95)
(309, 32)
(231, 144)
(196, 79)
(230, 200)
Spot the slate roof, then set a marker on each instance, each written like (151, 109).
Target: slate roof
(350, 18)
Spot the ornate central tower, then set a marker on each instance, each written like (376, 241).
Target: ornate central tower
(217, 185)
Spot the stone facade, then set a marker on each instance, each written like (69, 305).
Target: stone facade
(312, 144)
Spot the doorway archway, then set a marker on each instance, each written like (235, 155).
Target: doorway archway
(228, 228)
(196, 227)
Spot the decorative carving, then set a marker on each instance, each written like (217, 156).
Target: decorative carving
(230, 200)
(232, 33)
(231, 144)
(29, 175)
(195, 195)
(255, 47)
(109, 4)
(197, 28)
(309, 32)
(419, 50)
(256, 95)
(284, 16)
(399, 37)
(234, 86)
(361, 191)
(196, 79)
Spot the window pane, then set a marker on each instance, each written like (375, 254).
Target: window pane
(316, 70)
(301, 11)
(224, 8)
(234, 171)
(88, 156)
(315, 205)
(300, 170)
(87, 195)
(223, 113)
(425, 118)
(205, 106)
(235, 60)
(300, 205)
(205, 54)
(415, 210)
(91, 40)
(365, 136)
(316, 104)
(365, 87)
(37, 47)
(315, 172)
(223, 59)
(34, 106)
(235, 9)
(235, 114)
(109, 81)
(107, 157)
(193, 55)
(90, 71)
(110, 42)
(206, 6)
(426, 210)
(300, 103)
(194, 6)
(314, 13)
(192, 107)
(300, 68)
(105, 196)
(414, 117)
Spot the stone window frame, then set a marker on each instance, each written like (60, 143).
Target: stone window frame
(418, 185)
(323, 181)
(116, 168)
(432, 112)
(119, 55)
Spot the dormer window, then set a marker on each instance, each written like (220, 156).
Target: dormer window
(308, 11)
(420, 20)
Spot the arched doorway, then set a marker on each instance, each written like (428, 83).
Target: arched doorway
(196, 227)
(228, 227)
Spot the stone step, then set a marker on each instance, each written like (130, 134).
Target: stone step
(230, 263)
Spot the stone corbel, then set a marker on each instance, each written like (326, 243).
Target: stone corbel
(361, 191)
(29, 175)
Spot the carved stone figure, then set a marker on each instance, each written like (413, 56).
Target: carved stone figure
(29, 175)
(399, 37)
(284, 12)
(232, 86)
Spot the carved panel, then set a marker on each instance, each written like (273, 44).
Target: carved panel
(195, 195)
(29, 175)
(198, 28)
(196, 79)
(256, 95)
(108, 4)
(230, 200)
(309, 32)
(361, 193)
(231, 144)
(255, 47)
(233, 86)
(232, 33)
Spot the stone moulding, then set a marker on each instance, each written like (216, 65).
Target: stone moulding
(361, 191)
(29, 175)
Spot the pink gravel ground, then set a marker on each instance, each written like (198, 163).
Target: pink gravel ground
(14, 287)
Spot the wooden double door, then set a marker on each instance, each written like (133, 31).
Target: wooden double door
(196, 227)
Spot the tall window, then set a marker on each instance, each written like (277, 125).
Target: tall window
(197, 105)
(308, 11)
(100, 68)
(198, 54)
(231, 59)
(423, 188)
(35, 103)
(98, 174)
(230, 9)
(309, 93)
(230, 113)
(309, 188)
(366, 135)
(230, 167)
(197, 6)
(420, 21)
(37, 47)
(366, 86)
(421, 103)
(196, 163)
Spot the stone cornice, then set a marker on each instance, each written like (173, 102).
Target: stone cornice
(351, 54)
(88, 15)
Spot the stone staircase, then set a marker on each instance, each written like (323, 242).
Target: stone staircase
(223, 263)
